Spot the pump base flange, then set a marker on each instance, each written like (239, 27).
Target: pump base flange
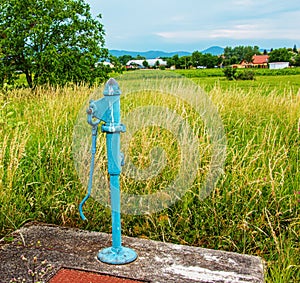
(120, 255)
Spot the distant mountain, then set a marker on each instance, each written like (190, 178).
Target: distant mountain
(214, 50)
(148, 54)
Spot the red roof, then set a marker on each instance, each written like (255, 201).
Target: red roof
(260, 59)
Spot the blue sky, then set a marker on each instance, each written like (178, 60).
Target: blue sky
(189, 25)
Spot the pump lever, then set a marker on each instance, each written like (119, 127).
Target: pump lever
(92, 165)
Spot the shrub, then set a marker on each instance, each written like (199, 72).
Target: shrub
(230, 73)
(247, 74)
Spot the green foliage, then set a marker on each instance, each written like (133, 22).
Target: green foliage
(279, 72)
(280, 55)
(246, 74)
(197, 59)
(51, 41)
(139, 57)
(183, 62)
(124, 59)
(206, 60)
(235, 74)
(145, 64)
(237, 54)
(297, 60)
(156, 65)
(230, 73)
(7, 74)
(118, 68)
(295, 50)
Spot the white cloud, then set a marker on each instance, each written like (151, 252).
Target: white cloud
(183, 35)
(263, 30)
(238, 32)
(175, 23)
(246, 33)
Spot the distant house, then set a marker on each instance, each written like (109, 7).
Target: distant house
(105, 64)
(140, 63)
(278, 65)
(108, 64)
(261, 61)
(258, 61)
(239, 66)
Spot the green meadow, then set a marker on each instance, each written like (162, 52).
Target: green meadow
(254, 208)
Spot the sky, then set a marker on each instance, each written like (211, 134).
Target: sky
(190, 25)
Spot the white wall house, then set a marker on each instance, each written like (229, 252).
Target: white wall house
(278, 65)
(105, 64)
(151, 63)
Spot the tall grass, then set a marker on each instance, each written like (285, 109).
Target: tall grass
(264, 165)
(38, 179)
(254, 208)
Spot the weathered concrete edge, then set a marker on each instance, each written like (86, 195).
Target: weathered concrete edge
(157, 261)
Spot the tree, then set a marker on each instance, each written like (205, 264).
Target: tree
(139, 57)
(118, 68)
(175, 61)
(232, 74)
(207, 60)
(280, 55)
(185, 62)
(229, 73)
(6, 75)
(146, 64)
(124, 59)
(297, 60)
(237, 54)
(196, 58)
(249, 52)
(295, 50)
(51, 41)
(210, 61)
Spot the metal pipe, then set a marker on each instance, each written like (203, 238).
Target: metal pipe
(107, 110)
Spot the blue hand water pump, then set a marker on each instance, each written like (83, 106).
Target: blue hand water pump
(107, 110)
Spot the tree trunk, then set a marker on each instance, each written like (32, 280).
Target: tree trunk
(28, 78)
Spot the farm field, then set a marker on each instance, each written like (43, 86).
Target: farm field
(264, 84)
(266, 81)
(254, 208)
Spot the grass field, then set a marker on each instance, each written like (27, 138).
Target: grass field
(266, 83)
(254, 208)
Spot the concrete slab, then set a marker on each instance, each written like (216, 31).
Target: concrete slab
(156, 262)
